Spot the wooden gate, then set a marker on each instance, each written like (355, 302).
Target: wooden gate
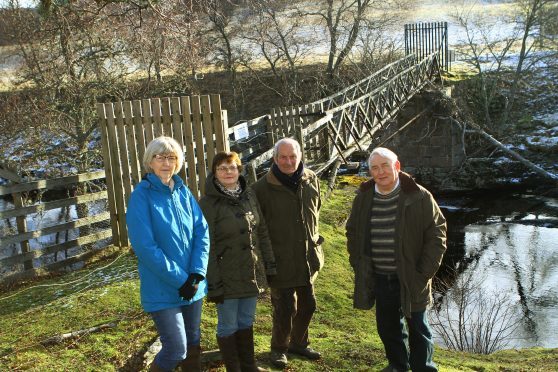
(197, 123)
(423, 39)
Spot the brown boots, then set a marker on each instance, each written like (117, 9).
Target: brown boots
(192, 363)
(245, 345)
(237, 351)
(229, 352)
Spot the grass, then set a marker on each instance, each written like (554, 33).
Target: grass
(101, 294)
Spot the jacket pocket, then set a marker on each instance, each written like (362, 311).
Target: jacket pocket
(363, 296)
(421, 288)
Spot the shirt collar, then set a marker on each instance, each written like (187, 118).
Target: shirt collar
(390, 191)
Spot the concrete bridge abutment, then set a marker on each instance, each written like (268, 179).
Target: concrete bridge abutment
(430, 147)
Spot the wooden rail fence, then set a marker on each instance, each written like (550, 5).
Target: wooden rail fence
(86, 233)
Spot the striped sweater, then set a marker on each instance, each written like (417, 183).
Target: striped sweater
(382, 231)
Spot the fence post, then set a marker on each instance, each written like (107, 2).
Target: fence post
(251, 174)
(21, 221)
(299, 137)
(269, 128)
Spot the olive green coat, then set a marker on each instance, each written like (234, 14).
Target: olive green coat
(420, 240)
(237, 236)
(292, 222)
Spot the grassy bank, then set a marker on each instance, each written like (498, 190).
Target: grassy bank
(108, 295)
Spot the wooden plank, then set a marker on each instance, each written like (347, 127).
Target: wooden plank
(108, 172)
(147, 120)
(132, 143)
(177, 132)
(208, 130)
(82, 240)
(118, 188)
(167, 119)
(189, 143)
(156, 115)
(53, 204)
(221, 127)
(5, 241)
(198, 139)
(52, 183)
(123, 151)
(140, 133)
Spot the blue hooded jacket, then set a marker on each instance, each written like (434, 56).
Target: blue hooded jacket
(170, 237)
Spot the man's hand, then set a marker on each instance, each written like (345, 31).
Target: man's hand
(188, 290)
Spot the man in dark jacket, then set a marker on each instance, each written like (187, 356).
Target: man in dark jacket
(289, 196)
(396, 237)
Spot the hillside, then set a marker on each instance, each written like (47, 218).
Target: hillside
(105, 295)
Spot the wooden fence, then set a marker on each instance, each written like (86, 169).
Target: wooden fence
(197, 123)
(78, 238)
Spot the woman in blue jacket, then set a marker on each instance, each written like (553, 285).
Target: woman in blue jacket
(170, 238)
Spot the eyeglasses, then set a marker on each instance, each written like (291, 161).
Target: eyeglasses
(225, 169)
(162, 158)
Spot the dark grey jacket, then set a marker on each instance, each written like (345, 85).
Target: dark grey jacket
(238, 234)
(292, 221)
(420, 238)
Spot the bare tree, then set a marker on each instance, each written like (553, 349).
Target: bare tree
(468, 319)
(499, 83)
(279, 36)
(225, 38)
(344, 21)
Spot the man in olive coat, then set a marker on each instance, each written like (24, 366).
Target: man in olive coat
(289, 196)
(396, 237)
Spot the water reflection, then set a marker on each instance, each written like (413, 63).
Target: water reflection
(511, 241)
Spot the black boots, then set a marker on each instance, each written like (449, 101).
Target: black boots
(192, 363)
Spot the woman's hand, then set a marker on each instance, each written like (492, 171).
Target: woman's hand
(188, 290)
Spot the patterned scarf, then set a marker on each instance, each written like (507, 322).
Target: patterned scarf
(235, 193)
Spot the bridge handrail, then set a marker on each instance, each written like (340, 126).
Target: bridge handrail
(406, 59)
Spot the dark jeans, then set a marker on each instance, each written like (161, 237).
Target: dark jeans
(393, 330)
(292, 311)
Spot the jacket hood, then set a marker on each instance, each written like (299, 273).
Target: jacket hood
(212, 190)
(408, 184)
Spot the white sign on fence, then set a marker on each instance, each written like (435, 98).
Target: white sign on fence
(240, 131)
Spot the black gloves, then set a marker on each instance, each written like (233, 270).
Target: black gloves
(217, 299)
(190, 286)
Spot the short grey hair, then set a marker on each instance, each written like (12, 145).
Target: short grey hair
(284, 141)
(384, 153)
(163, 145)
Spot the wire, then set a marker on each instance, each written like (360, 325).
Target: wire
(63, 284)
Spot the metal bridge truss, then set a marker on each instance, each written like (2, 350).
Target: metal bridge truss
(338, 125)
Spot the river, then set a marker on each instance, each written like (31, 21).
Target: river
(507, 243)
